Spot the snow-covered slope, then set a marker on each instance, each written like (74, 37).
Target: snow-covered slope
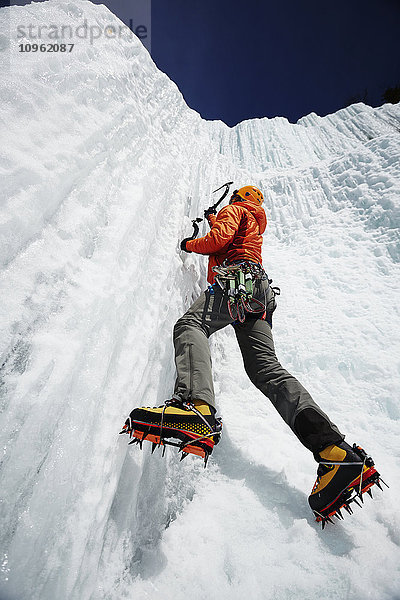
(102, 167)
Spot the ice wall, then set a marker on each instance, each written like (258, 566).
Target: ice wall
(102, 168)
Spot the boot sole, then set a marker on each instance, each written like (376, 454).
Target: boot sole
(191, 443)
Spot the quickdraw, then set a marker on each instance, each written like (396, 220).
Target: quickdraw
(238, 280)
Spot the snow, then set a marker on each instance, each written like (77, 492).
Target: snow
(102, 168)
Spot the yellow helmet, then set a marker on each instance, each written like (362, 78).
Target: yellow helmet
(250, 192)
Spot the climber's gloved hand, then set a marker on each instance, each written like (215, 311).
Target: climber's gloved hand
(210, 211)
(183, 245)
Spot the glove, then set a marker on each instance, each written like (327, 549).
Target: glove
(210, 211)
(183, 245)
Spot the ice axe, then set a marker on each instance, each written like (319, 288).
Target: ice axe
(210, 210)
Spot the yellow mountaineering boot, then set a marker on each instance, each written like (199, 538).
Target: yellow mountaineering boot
(192, 422)
(344, 474)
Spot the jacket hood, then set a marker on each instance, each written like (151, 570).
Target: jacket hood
(257, 211)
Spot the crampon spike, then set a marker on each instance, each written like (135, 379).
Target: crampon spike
(354, 492)
(126, 428)
(190, 443)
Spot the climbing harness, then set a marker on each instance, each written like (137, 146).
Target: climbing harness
(237, 279)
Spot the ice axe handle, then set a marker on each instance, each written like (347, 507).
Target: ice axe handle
(226, 191)
(196, 228)
(212, 208)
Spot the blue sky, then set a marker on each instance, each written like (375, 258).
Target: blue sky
(238, 60)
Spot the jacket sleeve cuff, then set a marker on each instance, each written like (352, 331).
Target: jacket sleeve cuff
(189, 245)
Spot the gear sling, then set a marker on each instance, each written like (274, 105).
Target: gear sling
(238, 279)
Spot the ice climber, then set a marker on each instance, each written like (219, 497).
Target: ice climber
(240, 295)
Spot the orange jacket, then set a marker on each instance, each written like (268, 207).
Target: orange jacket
(236, 234)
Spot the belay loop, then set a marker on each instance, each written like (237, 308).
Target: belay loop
(238, 280)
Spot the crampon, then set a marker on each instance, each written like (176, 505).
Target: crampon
(189, 442)
(353, 493)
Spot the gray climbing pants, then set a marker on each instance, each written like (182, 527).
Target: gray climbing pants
(208, 314)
